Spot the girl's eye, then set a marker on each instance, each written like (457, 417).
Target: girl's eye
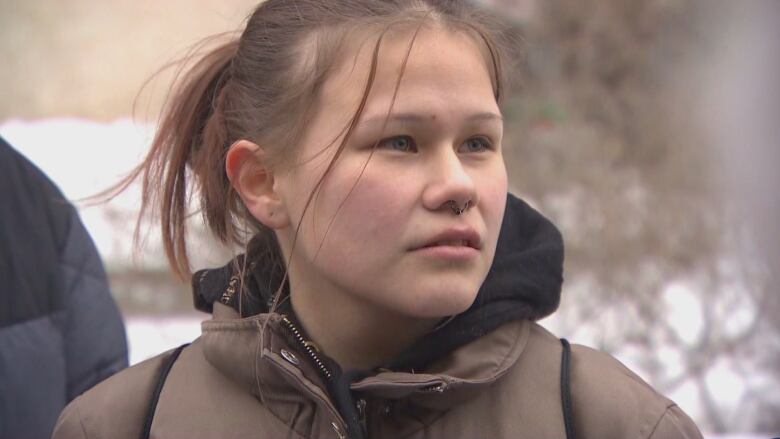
(476, 144)
(399, 143)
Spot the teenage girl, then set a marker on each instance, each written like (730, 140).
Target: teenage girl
(391, 285)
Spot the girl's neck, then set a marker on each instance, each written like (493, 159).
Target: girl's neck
(355, 333)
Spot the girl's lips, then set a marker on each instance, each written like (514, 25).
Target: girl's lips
(453, 237)
(448, 252)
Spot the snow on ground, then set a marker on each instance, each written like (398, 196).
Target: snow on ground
(148, 336)
(80, 155)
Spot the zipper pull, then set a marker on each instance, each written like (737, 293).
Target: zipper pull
(361, 405)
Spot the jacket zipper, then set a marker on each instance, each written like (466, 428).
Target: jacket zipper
(312, 353)
(307, 348)
(362, 406)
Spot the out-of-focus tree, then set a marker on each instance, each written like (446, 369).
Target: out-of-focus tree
(604, 135)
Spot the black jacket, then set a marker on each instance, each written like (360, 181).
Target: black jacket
(60, 330)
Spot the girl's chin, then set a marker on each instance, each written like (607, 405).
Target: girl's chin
(440, 306)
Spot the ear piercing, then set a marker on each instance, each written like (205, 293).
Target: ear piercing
(458, 210)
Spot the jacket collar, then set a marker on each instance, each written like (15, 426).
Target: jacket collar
(258, 354)
(458, 375)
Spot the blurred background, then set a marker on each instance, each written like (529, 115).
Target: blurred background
(647, 130)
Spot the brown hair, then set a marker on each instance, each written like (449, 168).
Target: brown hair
(262, 87)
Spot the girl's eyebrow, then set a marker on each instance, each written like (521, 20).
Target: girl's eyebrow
(418, 117)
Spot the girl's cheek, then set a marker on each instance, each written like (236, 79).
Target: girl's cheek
(495, 187)
(376, 205)
(376, 197)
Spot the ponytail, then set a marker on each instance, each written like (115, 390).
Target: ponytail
(192, 133)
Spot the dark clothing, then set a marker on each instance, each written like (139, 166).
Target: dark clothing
(60, 330)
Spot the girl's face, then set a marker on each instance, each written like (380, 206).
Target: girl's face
(381, 231)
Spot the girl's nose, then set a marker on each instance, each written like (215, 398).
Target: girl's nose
(450, 186)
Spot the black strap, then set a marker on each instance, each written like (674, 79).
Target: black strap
(164, 370)
(568, 419)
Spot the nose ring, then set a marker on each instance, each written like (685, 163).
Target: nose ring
(458, 210)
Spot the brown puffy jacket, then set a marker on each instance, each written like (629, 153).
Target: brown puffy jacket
(230, 383)
(489, 373)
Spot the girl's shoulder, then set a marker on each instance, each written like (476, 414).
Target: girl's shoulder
(116, 407)
(608, 399)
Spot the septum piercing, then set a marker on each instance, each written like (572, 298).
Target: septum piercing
(458, 210)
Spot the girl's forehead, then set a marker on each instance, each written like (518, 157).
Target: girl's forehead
(420, 62)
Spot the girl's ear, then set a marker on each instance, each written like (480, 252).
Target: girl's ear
(253, 180)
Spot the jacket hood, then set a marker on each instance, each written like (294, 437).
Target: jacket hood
(524, 282)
